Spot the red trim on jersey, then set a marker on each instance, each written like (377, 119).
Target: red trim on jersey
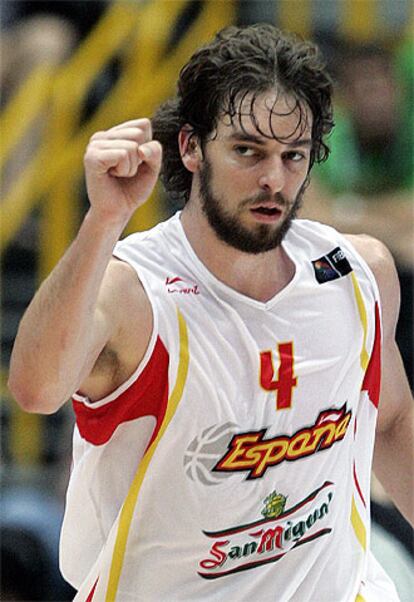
(372, 378)
(91, 593)
(147, 396)
(358, 487)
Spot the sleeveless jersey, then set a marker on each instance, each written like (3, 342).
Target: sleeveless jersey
(234, 464)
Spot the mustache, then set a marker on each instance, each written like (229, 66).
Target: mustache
(262, 197)
(279, 198)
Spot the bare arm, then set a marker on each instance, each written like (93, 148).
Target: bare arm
(79, 311)
(394, 446)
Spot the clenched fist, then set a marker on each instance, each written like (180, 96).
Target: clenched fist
(122, 166)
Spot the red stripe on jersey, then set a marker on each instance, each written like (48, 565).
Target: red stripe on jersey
(372, 378)
(147, 396)
(91, 593)
(358, 487)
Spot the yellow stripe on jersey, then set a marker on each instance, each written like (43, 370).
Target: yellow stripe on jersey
(359, 598)
(363, 315)
(358, 525)
(128, 507)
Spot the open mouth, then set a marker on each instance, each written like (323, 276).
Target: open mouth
(266, 214)
(266, 210)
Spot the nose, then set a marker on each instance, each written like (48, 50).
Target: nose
(272, 176)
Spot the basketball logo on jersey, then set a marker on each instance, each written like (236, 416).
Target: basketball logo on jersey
(331, 266)
(205, 451)
(221, 451)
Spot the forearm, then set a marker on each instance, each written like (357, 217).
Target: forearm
(66, 326)
(394, 464)
(56, 340)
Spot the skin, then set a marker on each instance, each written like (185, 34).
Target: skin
(89, 324)
(257, 167)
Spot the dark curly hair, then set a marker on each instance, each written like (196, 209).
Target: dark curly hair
(242, 61)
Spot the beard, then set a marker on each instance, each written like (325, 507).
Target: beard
(229, 229)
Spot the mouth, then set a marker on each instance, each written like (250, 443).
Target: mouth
(267, 214)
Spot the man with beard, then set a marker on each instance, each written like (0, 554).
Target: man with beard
(225, 365)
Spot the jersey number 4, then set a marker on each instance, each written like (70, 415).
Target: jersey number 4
(285, 380)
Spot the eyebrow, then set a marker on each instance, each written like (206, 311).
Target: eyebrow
(244, 137)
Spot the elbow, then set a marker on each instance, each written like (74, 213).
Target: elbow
(30, 398)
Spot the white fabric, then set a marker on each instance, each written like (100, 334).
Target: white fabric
(191, 522)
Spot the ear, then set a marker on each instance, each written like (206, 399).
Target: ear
(189, 149)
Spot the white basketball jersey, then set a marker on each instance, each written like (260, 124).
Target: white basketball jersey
(235, 462)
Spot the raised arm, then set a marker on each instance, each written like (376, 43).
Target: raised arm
(394, 446)
(73, 333)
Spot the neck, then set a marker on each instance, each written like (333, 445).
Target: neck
(259, 276)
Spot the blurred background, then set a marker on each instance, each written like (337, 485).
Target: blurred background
(69, 69)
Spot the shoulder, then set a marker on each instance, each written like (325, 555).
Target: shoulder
(122, 289)
(124, 304)
(381, 263)
(122, 278)
(378, 258)
(121, 272)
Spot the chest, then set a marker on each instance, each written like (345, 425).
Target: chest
(274, 367)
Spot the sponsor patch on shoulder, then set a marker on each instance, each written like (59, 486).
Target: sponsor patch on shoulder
(331, 266)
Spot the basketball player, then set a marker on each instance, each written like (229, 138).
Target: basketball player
(225, 365)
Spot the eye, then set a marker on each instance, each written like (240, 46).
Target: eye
(295, 156)
(245, 151)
